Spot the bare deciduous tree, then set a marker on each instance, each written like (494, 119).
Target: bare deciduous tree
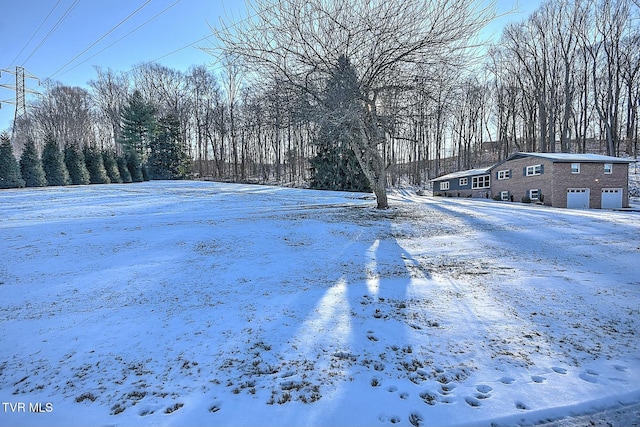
(110, 92)
(205, 94)
(64, 112)
(301, 41)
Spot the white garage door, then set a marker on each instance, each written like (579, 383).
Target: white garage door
(578, 198)
(611, 198)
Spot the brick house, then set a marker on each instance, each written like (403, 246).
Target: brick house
(469, 183)
(555, 179)
(562, 180)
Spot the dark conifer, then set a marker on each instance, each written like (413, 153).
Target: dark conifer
(76, 166)
(335, 166)
(95, 166)
(134, 166)
(53, 164)
(138, 126)
(124, 171)
(167, 158)
(10, 176)
(31, 166)
(111, 166)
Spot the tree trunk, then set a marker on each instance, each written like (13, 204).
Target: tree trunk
(380, 190)
(370, 158)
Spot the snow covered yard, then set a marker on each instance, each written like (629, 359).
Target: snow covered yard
(192, 303)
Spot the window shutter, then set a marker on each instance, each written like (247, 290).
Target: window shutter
(541, 169)
(496, 174)
(510, 175)
(524, 171)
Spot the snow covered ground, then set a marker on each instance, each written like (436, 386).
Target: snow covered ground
(193, 303)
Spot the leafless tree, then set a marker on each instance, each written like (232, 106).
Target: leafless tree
(575, 61)
(630, 73)
(65, 113)
(205, 95)
(605, 49)
(232, 78)
(110, 90)
(301, 41)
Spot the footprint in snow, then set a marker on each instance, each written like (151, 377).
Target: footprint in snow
(485, 389)
(145, 412)
(393, 419)
(473, 402)
(589, 377)
(620, 368)
(446, 389)
(507, 380)
(559, 370)
(538, 379)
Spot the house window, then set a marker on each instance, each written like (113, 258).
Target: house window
(534, 170)
(482, 181)
(534, 194)
(504, 196)
(608, 168)
(444, 185)
(506, 174)
(463, 181)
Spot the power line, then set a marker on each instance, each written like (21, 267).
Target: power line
(100, 39)
(226, 27)
(174, 51)
(123, 37)
(36, 31)
(62, 18)
(184, 47)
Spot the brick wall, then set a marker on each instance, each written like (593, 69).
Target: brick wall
(591, 176)
(557, 178)
(519, 185)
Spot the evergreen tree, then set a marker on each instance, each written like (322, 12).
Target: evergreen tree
(95, 166)
(53, 164)
(10, 176)
(134, 166)
(138, 126)
(335, 166)
(31, 166)
(167, 158)
(111, 166)
(76, 166)
(145, 172)
(124, 171)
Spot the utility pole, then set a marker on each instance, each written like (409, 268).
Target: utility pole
(21, 90)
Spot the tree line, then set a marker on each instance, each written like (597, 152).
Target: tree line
(56, 166)
(362, 95)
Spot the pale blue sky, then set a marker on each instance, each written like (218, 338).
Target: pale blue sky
(33, 35)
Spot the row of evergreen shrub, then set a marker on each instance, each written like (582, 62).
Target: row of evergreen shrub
(68, 166)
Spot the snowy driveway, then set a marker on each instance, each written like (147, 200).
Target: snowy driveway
(191, 303)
